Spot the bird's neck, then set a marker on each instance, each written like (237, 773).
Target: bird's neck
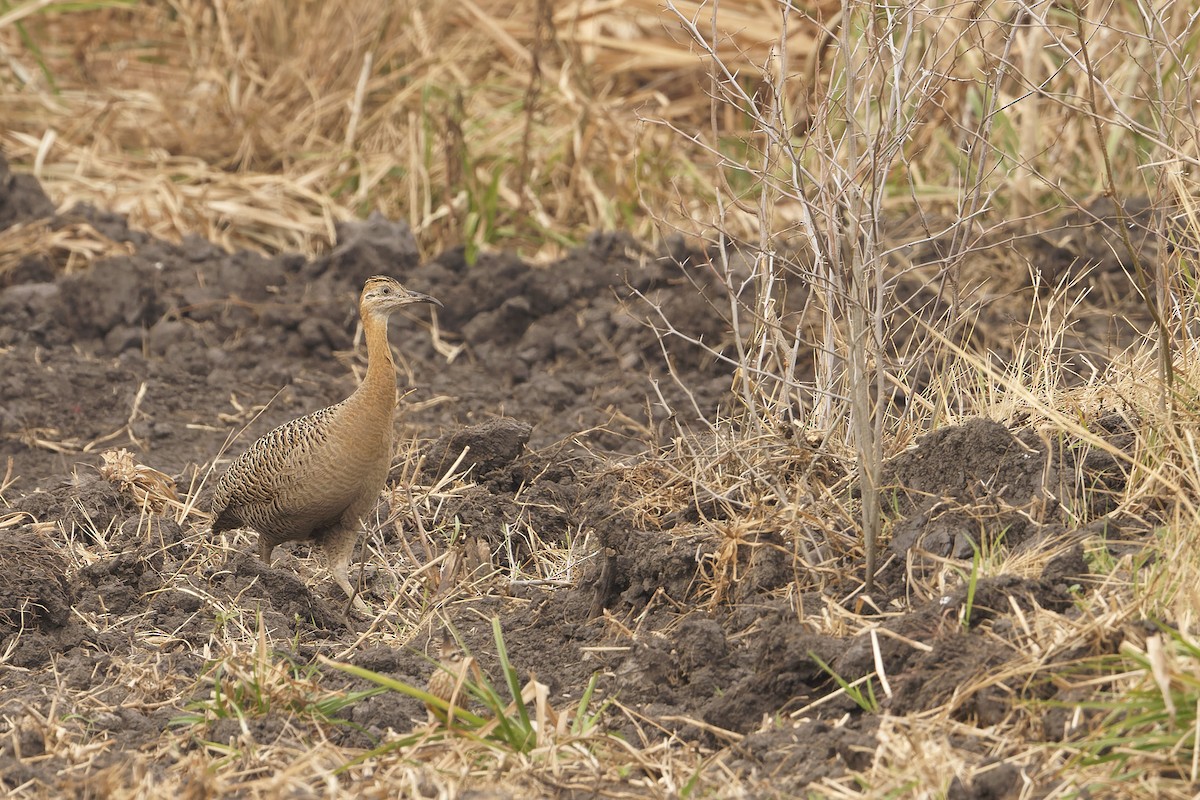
(377, 392)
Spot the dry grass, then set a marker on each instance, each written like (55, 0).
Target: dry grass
(523, 123)
(513, 122)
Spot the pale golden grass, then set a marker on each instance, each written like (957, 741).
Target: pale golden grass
(230, 122)
(523, 122)
(67, 248)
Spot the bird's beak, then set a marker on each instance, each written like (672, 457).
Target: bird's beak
(417, 297)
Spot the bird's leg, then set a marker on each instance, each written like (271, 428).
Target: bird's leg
(338, 545)
(265, 546)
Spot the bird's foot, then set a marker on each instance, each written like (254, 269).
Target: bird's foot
(359, 609)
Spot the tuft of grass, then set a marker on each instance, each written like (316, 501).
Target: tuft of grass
(861, 691)
(1145, 720)
(984, 556)
(521, 722)
(263, 684)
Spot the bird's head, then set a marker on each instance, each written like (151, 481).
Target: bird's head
(382, 295)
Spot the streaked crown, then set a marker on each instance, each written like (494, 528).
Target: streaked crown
(382, 294)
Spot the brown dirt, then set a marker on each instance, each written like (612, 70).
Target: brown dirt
(166, 350)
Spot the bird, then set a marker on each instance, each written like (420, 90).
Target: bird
(446, 682)
(316, 477)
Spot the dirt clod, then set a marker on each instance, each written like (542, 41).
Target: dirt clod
(34, 587)
(484, 448)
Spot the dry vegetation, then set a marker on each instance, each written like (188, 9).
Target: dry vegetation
(852, 133)
(517, 123)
